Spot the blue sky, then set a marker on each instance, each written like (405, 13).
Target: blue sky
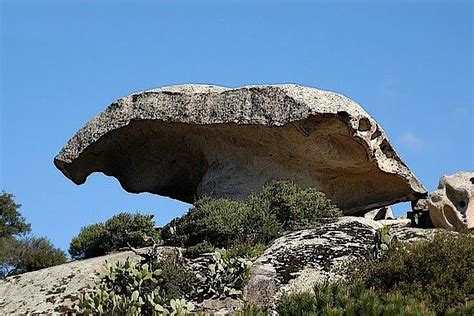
(408, 63)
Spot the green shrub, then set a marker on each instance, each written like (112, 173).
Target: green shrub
(221, 223)
(129, 288)
(247, 250)
(439, 272)
(175, 281)
(297, 208)
(11, 221)
(252, 311)
(28, 254)
(297, 304)
(116, 233)
(199, 249)
(89, 243)
(225, 276)
(462, 310)
(348, 299)
(160, 286)
(20, 253)
(225, 223)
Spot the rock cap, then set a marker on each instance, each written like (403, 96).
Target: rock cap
(191, 140)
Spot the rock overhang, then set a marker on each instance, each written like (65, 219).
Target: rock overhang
(187, 141)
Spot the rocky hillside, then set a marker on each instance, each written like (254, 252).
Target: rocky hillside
(292, 262)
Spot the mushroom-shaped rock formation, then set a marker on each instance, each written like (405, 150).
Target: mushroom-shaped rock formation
(187, 141)
(452, 204)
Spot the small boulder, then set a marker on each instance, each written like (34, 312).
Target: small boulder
(420, 205)
(380, 213)
(451, 206)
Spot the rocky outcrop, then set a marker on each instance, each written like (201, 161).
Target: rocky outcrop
(291, 263)
(420, 214)
(44, 291)
(380, 213)
(298, 260)
(452, 204)
(192, 140)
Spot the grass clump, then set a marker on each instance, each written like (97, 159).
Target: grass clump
(227, 223)
(349, 299)
(439, 272)
(430, 277)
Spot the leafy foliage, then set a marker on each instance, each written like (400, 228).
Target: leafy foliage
(28, 254)
(251, 310)
(89, 243)
(246, 250)
(176, 280)
(226, 223)
(160, 286)
(11, 221)
(118, 232)
(221, 223)
(198, 249)
(297, 208)
(439, 272)
(349, 299)
(129, 288)
(465, 309)
(384, 240)
(225, 276)
(19, 253)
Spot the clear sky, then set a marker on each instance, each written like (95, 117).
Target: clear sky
(408, 63)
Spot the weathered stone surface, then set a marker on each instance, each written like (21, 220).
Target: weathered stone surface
(217, 307)
(420, 205)
(45, 290)
(380, 213)
(452, 204)
(190, 140)
(50, 290)
(295, 262)
(419, 214)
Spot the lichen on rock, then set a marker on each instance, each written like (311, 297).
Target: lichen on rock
(297, 261)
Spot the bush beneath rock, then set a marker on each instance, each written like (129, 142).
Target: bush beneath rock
(258, 219)
(438, 272)
(294, 207)
(123, 229)
(221, 223)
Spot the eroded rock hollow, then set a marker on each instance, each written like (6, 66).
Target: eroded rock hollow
(451, 206)
(187, 141)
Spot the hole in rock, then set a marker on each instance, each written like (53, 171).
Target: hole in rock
(364, 125)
